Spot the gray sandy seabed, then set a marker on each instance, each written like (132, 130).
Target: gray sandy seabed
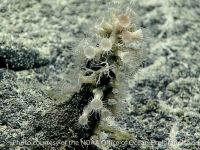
(36, 62)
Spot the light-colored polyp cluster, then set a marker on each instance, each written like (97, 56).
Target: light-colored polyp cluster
(114, 49)
(94, 106)
(117, 42)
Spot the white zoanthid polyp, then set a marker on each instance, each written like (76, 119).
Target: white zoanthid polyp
(105, 44)
(86, 111)
(113, 9)
(124, 20)
(100, 23)
(124, 56)
(126, 36)
(137, 35)
(89, 52)
(96, 104)
(83, 120)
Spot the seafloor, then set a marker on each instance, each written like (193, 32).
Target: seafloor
(36, 65)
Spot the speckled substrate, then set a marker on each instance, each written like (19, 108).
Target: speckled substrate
(36, 62)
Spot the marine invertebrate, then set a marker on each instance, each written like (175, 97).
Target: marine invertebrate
(114, 53)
